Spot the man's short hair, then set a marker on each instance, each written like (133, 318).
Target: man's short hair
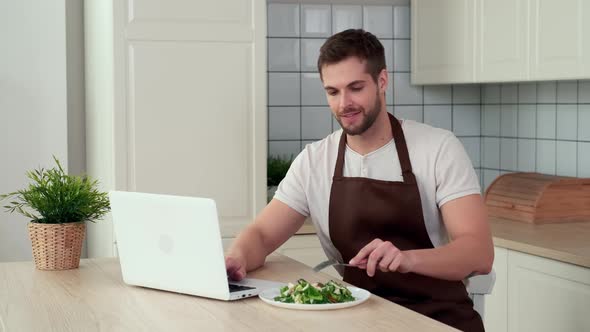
(354, 42)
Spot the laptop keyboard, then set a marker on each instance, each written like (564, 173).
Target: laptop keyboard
(238, 288)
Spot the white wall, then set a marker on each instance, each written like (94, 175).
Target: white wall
(36, 108)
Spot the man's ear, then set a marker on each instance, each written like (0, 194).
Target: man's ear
(383, 80)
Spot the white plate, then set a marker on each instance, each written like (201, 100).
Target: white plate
(359, 294)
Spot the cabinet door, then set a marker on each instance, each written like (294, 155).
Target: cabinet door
(442, 41)
(495, 312)
(560, 31)
(187, 115)
(502, 42)
(547, 295)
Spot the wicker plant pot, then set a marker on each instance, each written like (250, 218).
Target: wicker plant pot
(57, 246)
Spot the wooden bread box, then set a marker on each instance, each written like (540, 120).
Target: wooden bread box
(539, 199)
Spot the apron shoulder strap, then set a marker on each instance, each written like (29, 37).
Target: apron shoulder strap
(402, 150)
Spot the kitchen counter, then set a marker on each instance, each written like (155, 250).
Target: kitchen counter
(566, 242)
(94, 298)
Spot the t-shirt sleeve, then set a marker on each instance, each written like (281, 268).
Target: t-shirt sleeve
(455, 176)
(291, 190)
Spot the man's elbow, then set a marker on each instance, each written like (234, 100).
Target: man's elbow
(487, 263)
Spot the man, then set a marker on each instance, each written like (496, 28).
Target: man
(400, 200)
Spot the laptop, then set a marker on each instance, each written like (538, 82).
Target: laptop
(173, 243)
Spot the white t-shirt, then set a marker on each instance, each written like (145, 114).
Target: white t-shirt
(440, 164)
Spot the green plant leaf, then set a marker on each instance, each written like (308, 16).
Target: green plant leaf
(58, 197)
(276, 169)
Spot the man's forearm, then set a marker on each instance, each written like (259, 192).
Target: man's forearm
(249, 246)
(454, 261)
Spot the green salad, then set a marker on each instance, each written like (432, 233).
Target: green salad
(304, 292)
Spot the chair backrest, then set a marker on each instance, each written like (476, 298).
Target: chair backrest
(479, 286)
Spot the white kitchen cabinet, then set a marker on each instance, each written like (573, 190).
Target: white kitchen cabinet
(442, 41)
(560, 39)
(502, 40)
(495, 312)
(176, 104)
(533, 293)
(480, 41)
(547, 295)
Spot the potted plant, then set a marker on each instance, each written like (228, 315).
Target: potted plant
(276, 169)
(58, 205)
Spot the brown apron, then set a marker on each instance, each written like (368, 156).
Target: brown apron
(363, 209)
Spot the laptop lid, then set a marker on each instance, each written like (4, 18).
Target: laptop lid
(170, 242)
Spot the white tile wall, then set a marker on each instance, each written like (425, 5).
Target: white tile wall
(566, 154)
(473, 148)
(310, 51)
(284, 123)
(508, 154)
(552, 123)
(546, 92)
(489, 176)
(491, 94)
(437, 94)
(466, 120)
(283, 54)
(546, 115)
(312, 90)
(404, 92)
(466, 94)
(583, 159)
(567, 118)
(438, 116)
(491, 152)
(401, 55)
(527, 155)
(567, 92)
(388, 47)
(508, 120)
(509, 94)
(346, 17)
(584, 122)
(584, 92)
(401, 21)
(491, 120)
(316, 20)
(378, 20)
(283, 89)
(527, 93)
(527, 121)
(318, 122)
(283, 20)
(546, 157)
(409, 112)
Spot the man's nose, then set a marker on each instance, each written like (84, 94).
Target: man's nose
(345, 100)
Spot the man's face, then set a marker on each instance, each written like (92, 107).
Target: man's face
(353, 95)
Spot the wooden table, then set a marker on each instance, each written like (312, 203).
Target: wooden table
(94, 298)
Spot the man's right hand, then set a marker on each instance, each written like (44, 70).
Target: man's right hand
(235, 267)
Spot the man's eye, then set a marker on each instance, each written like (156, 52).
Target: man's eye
(332, 92)
(356, 88)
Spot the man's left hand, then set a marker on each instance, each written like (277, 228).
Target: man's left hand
(384, 255)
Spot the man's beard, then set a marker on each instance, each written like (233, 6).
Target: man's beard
(367, 121)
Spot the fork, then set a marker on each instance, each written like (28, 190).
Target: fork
(328, 263)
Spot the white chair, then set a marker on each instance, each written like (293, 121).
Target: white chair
(478, 287)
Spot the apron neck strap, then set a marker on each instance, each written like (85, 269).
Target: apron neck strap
(400, 145)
